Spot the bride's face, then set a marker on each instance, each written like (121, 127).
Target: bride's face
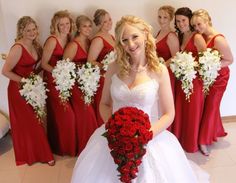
(133, 41)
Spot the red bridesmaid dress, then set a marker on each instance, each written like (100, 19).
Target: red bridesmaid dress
(61, 118)
(29, 137)
(85, 117)
(188, 114)
(163, 51)
(105, 50)
(211, 124)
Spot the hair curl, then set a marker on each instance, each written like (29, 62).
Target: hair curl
(150, 48)
(21, 25)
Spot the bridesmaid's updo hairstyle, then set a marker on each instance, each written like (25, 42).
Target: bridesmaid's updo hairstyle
(169, 10)
(187, 12)
(80, 19)
(98, 15)
(203, 14)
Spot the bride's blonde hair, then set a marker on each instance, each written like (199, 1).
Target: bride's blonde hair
(150, 47)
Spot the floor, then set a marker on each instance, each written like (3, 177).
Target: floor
(221, 165)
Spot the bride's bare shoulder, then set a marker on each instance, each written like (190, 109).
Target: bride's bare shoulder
(161, 73)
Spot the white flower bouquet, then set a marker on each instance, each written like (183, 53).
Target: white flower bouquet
(183, 67)
(88, 81)
(34, 91)
(109, 58)
(64, 76)
(161, 60)
(209, 65)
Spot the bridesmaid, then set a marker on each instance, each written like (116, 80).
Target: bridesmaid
(167, 43)
(61, 118)
(77, 51)
(188, 113)
(102, 43)
(28, 134)
(211, 124)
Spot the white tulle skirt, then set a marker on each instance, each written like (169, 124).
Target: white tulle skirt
(164, 162)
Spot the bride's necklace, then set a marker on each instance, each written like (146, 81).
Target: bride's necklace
(139, 69)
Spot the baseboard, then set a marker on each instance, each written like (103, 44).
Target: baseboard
(228, 119)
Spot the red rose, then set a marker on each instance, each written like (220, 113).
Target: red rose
(127, 132)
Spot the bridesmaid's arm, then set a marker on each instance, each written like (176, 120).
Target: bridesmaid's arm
(173, 44)
(11, 61)
(70, 51)
(222, 46)
(105, 106)
(47, 53)
(200, 43)
(94, 51)
(166, 103)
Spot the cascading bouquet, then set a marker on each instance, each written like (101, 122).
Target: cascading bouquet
(88, 78)
(109, 58)
(64, 77)
(34, 91)
(209, 65)
(183, 67)
(127, 132)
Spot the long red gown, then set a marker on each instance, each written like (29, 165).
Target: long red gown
(188, 114)
(85, 117)
(61, 118)
(28, 135)
(163, 51)
(105, 50)
(211, 124)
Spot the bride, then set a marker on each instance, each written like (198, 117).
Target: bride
(137, 79)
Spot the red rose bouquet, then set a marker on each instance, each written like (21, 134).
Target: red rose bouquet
(127, 132)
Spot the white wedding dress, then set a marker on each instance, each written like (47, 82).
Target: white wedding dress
(164, 161)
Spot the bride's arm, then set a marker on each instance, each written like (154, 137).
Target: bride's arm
(105, 106)
(166, 103)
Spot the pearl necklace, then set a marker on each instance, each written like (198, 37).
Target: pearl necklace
(140, 69)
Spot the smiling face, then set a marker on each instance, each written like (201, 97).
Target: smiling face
(182, 23)
(30, 31)
(106, 22)
(64, 25)
(133, 41)
(199, 24)
(163, 18)
(85, 28)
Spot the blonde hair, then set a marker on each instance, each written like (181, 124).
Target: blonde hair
(150, 48)
(55, 21)
(168, 9)
(21, 25)
(98, 15)
(203, 14)
(80, 19)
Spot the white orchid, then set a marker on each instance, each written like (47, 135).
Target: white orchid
(109, 58)
(209, 65)
(34, 91)
(64, 76)
(182, 65)
(88, 78)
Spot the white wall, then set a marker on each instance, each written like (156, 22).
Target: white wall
(222, 13)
